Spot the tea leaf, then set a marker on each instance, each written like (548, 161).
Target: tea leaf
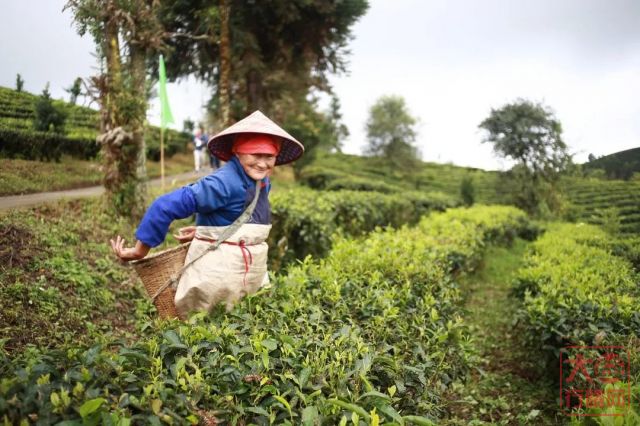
(90, 406)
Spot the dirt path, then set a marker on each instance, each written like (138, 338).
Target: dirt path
(508, 387)
(16, 201)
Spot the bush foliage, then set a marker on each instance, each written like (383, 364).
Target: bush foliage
(342, 171)
(47, 116)
(19, 139)
(372, 332)
(44, 146)
(595, 200)
(299, 231)
(576, 291)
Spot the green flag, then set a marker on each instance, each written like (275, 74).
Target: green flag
(165, 110)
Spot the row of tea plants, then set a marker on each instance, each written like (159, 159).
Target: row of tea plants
(610, 203)
(343, 171)
(299, 231)
(370, 334)
(18, 139)
(63, 270)
(579, 288)
(575, 289)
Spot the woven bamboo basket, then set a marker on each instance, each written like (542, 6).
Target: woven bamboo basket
(156, 270)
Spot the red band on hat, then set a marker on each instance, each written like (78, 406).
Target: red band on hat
(256, 143)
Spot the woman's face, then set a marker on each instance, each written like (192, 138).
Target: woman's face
(257, 166)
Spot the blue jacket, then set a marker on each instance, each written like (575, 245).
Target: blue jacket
(217, 200)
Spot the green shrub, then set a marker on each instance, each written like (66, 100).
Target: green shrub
(372, 332)
(574, 288)
(19, 137)
(627, 247)
(611, 203)
(47, 117)
(361, 184)
(44, 146)
(305, 220)
(319, 177)
(467, 191)
(174, 142)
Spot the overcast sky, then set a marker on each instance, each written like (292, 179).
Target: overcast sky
(452, 60)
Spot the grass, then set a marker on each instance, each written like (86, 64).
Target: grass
(62, 272)
(26, 177)
(508, 386)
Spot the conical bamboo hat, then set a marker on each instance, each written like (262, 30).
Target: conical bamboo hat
(220, 145)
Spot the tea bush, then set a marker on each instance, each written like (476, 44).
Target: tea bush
(371, 333)
(360, 184)
(19, 140)
(44, 146)
(602, 416)
(343, 171)
(299, 231)
(576, 291)
(627, 247)
(596, 200)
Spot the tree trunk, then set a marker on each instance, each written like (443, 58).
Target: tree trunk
(110, 116)
(122, 137)
(225, 64)
(113, 73)
(137, 174)
(253, 91)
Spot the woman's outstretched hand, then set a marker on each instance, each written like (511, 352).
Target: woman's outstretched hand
(185, 234)
(129, 253)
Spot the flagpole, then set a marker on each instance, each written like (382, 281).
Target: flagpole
(165, 113)
(162, 158)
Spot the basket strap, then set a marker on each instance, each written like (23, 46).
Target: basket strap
(228, 232)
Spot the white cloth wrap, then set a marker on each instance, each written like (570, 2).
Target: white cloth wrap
(219, 276)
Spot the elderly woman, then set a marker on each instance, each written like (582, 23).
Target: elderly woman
(252, 148)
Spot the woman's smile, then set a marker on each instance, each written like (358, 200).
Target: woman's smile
(257, 166)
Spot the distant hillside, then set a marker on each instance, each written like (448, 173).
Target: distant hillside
(595, 200)
(343, 171)
(592, 199)
(619, 165)
(18, 139)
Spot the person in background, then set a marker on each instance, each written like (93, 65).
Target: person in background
(251, 148)
(198, 149)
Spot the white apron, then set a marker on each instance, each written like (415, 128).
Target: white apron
(235, 269)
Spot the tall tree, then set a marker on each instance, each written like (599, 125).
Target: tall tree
(19, 83)
(529, 134)
(126, 32)
(278, 50)
(339, 130)
(318, 130)
(48, 118)
(225, 64)
(75, 90)
(467, 191)
(391, 131)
